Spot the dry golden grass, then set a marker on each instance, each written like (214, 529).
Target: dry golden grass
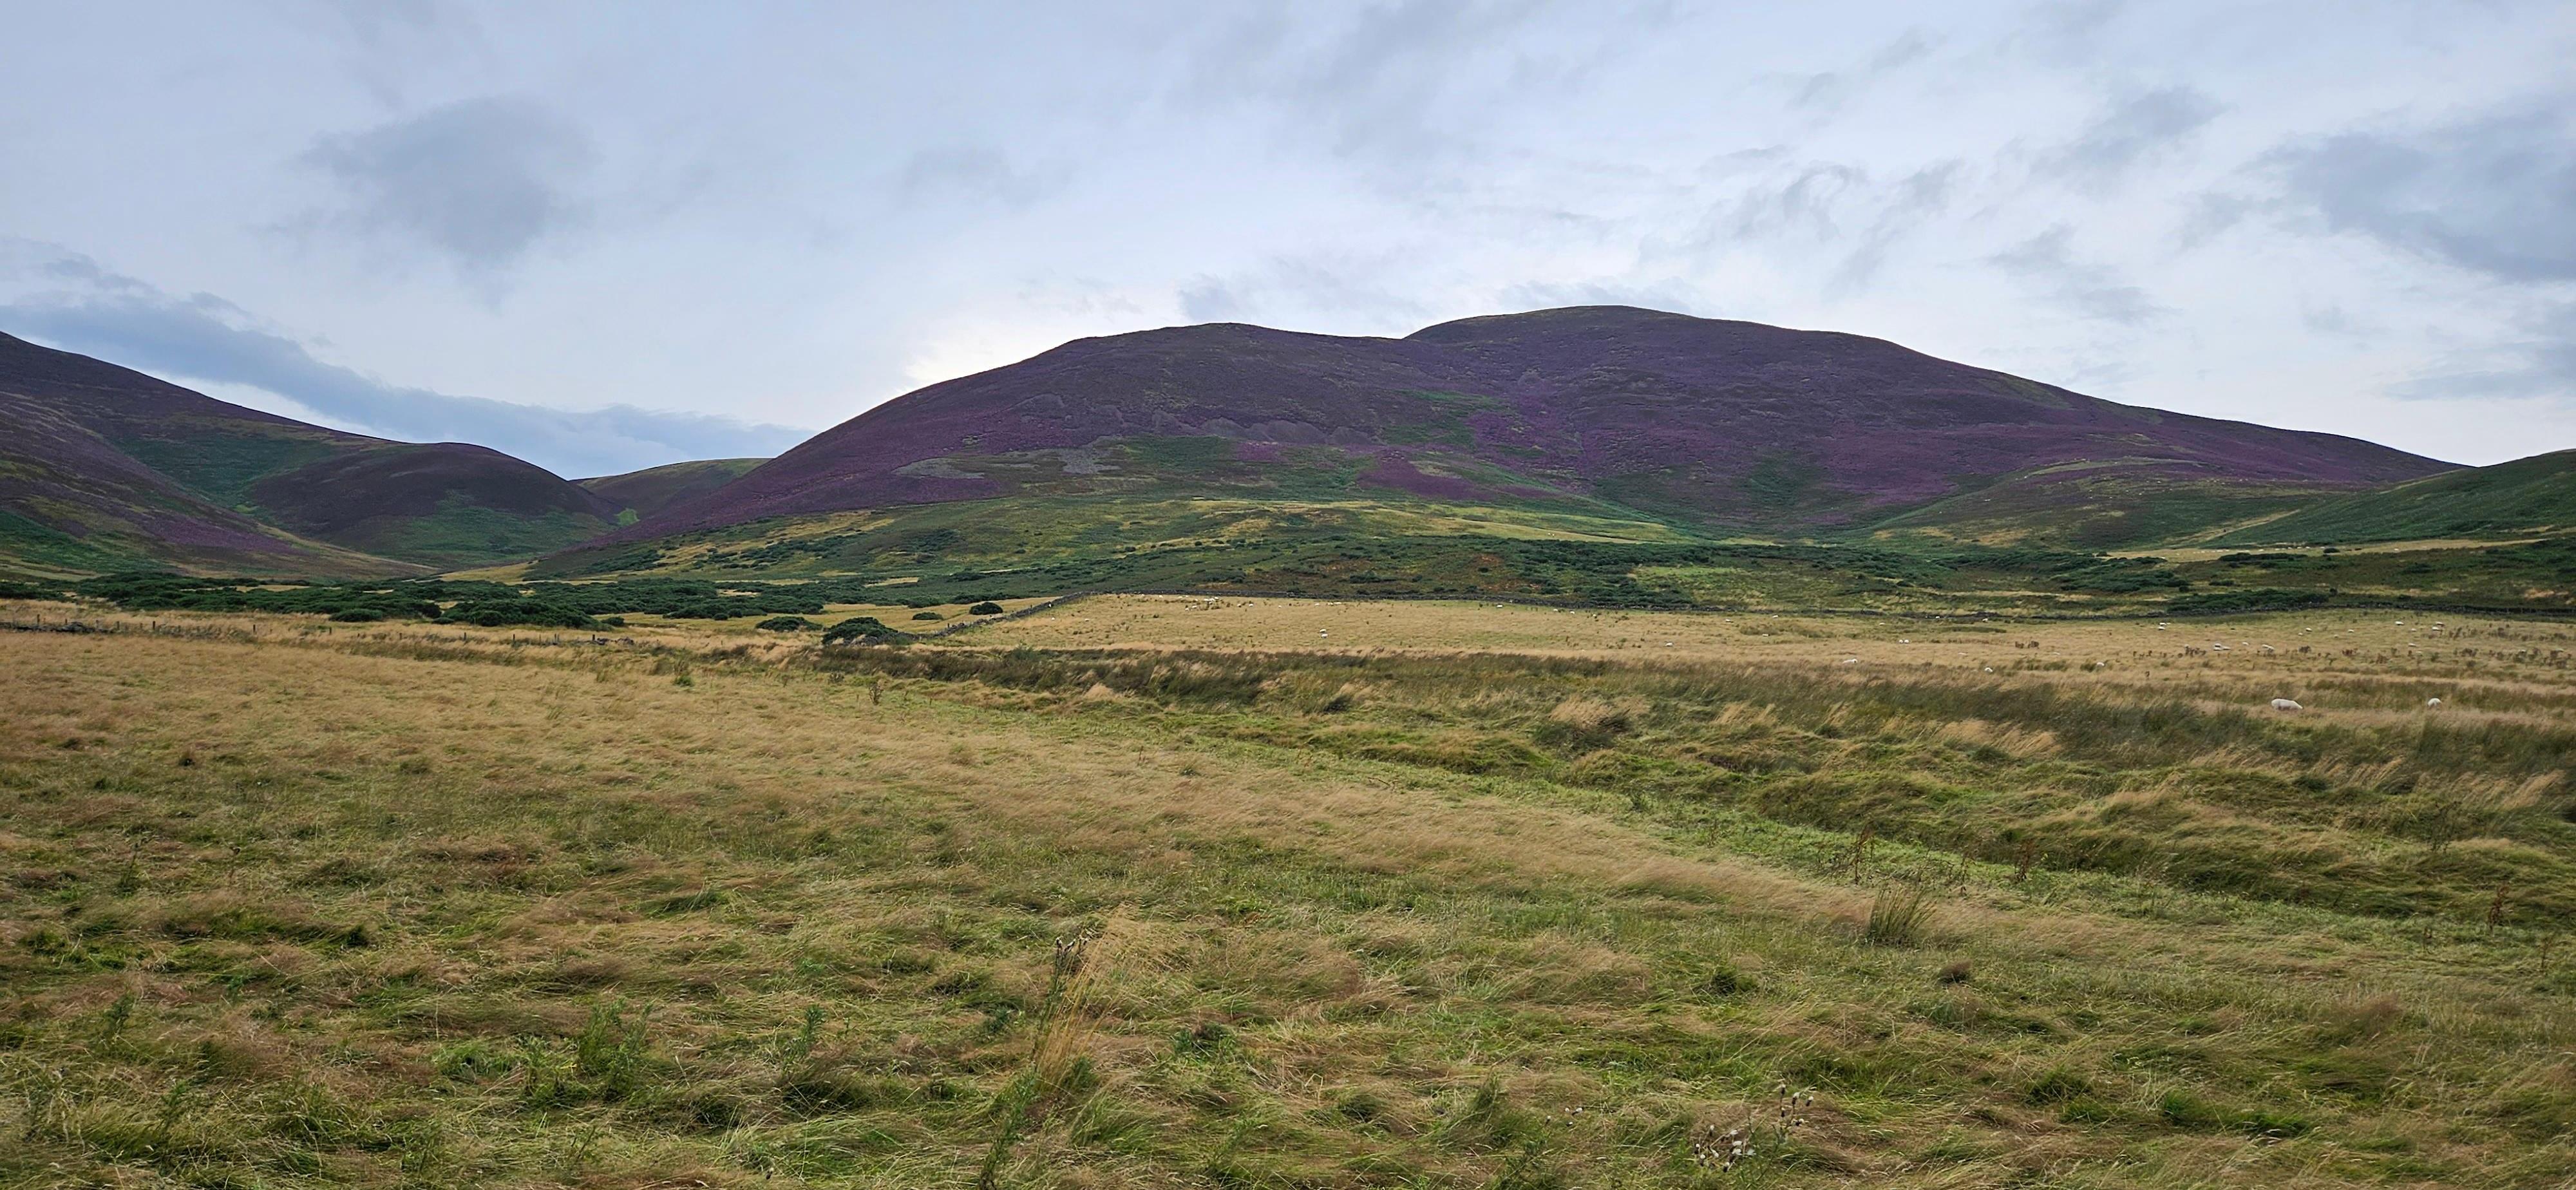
(389, 905)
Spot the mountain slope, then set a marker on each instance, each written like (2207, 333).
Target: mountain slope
(649, 491)
(103, 467)
(1721, 425)
(2524, 498)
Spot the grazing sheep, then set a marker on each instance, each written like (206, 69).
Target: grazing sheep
(2432, 703)
(2283, 704)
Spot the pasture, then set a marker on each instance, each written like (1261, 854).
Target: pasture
(1171, 891)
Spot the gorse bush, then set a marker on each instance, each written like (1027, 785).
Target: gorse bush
(862, 630)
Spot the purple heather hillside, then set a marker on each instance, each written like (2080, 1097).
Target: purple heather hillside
(1722, 422)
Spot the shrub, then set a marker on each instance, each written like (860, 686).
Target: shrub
(928, 616)
(861, 630)
(497, 613)
(2261, 599)
(787, 624)
(986, 608)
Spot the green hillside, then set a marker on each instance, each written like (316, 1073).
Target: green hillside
(2533, 497)
(2111, 504)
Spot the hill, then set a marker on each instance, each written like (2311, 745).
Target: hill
(638, 494)
(2530, 497)
(1710, 426)
(108, 468)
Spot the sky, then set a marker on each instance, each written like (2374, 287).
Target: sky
(607, 236)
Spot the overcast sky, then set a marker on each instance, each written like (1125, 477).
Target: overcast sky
(607, 236)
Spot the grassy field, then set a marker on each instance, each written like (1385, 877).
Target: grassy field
(1248, 892)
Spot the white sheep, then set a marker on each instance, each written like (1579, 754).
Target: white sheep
(2432, 704)
(2283, 704)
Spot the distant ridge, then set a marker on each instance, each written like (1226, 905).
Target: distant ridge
(1717, 424)
(103, 467)
(643, 493)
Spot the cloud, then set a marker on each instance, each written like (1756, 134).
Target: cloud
(2540, 363)
(1372, 81)
(2495, 194)
(2095, 291)
(1290, 290)
(205, 338)
(1835, 203)
(2134, 129)
(479, 182)
(981, 174)
(1403, 83)
(1830, 89)
(1668, 295)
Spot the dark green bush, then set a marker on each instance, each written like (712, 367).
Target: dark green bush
(500, 613)
(787, 624)
(861, 630)
(986, 608)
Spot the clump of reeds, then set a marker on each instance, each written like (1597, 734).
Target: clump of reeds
(1897, 916)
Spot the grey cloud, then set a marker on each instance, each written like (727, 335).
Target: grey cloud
(2132, 130)
(2495, 194)
(2070, 32)
(1914, 199)
(1669, 296)
(1210, 299)
(2540, 363)
(480, 181)
(976, 173)
(1372, 79)
(1805, 202)
(1831, 202)
(2094, 290)
(1290, 289)
(205, 338)
(1831, 89)
(1377, 80)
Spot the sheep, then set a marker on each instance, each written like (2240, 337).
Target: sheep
(2432, 704)
(2283, 704)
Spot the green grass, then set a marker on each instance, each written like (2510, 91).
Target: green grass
(462, 534)
(222, 458)
(2523, 498)
(2116, 504)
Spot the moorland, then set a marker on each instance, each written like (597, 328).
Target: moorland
(1588, 747)
(1188, 890)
